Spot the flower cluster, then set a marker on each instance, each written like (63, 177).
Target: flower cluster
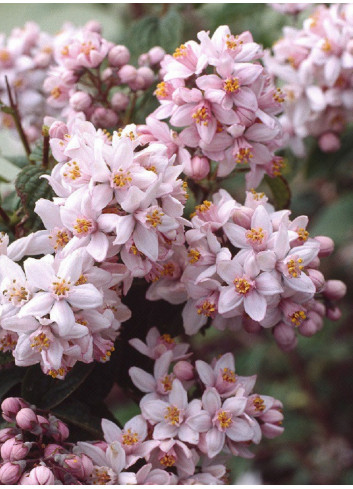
(249, 265)
(180, 436)
(34, 449)
(222, 97)
(314, 66)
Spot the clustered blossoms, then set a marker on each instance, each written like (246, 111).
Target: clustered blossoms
(34, 449)
(314, 66)
(221, 96)
(249, 265)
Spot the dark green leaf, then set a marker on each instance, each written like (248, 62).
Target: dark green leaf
(79, 414)
(19, 161)
(3, 180)
(280, 191)
(9, 377)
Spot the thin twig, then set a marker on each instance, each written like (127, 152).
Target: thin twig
(45, 159)
(129, 113)
(4, 216)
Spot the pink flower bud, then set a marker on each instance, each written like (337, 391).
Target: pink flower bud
(69, 77)
(10, 473)
(317, 278)
(243, 216)
(13, 450)
(251, 326)
(308, 328)
(318, 307)
(147, 76)
(80, 466)
(183, 370)
(335, 290)
(58, 130)
(104, 117)
(329, 142)
(285, 336)
(11, 406)
(156, 54)
(93, 26)
(271, 430)
(42, 60)
(107, 74)
(118, 55)
(144, 59)
(334, 314)
(40, 475)
(137, 83)
(53, 449)
(199, 168)
(326, 245)
(80, 101)
(127, 74)
(119, 101)
(62, 432)
(315, 263)
(8, 433)
(27, 419)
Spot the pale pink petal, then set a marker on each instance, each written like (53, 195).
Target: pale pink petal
(255, 305)
(215, 442)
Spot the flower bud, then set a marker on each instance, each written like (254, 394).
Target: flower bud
(58, 130)
(80, 101)
(93, 26)
(156, 54)
(39, 475)
(102, 117)
(326, 245)
(335, 289)
(62, 431)
(329, 142)
(10, 473)
(334, 314)
(118, 55)
(285, 336)
(127, 74)
(119, 101)
(183, 370)
(80, 466)
(42, 60)
(13, 450)
(11, 406)
(137, 83)
(317, 278)
(308, 328)
(8, 433)
(271, 430)
(243, 216)
(27, 419)
(53, 449)
(251, 326)
(199, 168)
(318, 307)
(315, 263)
(144, 60)
(107, 74)
(147, 76)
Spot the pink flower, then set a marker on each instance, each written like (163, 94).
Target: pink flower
(157, 344)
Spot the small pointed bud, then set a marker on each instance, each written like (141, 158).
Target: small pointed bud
(119, 101)
(102, 117)
(334, 314)
(58, 130)
(39, 475)
(317, 279)
(147, 76)
(285, 336)
(13, 450)
(27, 419)
(183, 370)
(127, 74)
(118, 56)
(80, 101)
(11, 406)
(329, 142)
(335, 290)
(326, 245)
(93, 26)
(156, 54)
(199, 168)
(10, 473)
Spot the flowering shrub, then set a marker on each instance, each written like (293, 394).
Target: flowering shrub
(104, 262)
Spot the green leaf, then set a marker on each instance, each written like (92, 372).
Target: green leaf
(79, 414)
(280, 191)
(19, 161)
(9, 377)
(37, 153)
(46, 392)
(3, 180)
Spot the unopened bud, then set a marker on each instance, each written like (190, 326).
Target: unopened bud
(118, 56)
(127, 74)
(53, 449)
(39, 475)
(317, 278)
(13, 450)
(10, 473)
(335, 289)
(329, 142)
(308, 328)
(80, 466)
(243, 217)
(93, 26)
(119, 101)
(104, 118)
(285, 336)
(199, 168)
(144, 60)
(156, 54)
(61, 432)
(326, 245)
(27, 419)
(11, 406)
(80, 101)
(334, 314)
(251, 326)
(58, 130)
(147, 75)
(8, 433)
(183, 370)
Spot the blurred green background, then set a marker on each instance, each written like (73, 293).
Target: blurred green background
(314, 382)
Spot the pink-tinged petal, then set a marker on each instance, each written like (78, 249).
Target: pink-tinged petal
(246, 98)
(161, 365)
(228, 299)
(247, 72)
(261, 219)
(225, 116)
(85, 296)
(154, 410)
(137, 424)
(48, 212)
(111, 431)
(240, 430)
(10, 269)
(209, 81)
(207, 132)
(178, 396)
(206, 373)
(100, 198)
(226, 361)
(26, 324)
(300, 284)
(62, 314)
(191, 319)
(236, 235)
(116, 457)
(146, 241)
(281, 245)
(247, 383)
(266, 260)
(215, 442)
(54, 355)
(211, 401)
(143, 380)
(251, 267)
(228, 270)
(255, 305)
(267, 284)
(236, 405)
(124, 228)
(188, 435)
(127, 479)
(98, 246)
(163, 431)
(39, 305)
(332, 70)
(200, 422)
(95, 453)
(182, 116)
(306, 252)
(70, 268)
(140, 346)
(132, 200)
(108, 222)
(39, 273)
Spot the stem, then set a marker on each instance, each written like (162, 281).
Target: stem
(4, 216)
(16, 116)
(129, 113)
(45, 159)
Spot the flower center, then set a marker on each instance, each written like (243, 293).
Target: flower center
(259, 404)
(243, 156)
(87, 47)
(172, 415)
(7, 343)
(231, 85)
(224, 419)
(40, 342)
(228, 375)
(232, 42)
(256, 236)
(130, 438)
(168, 460)
(277, 165)
(60, 372)
(167, 382)
(83, 226)
(100, 476)
(180, 52)
(155, 218)
(302, 234)
(4, 55)
(167, 339)
(204, 207)
(279, 96)
(201, 116)
(294, 267)
(55, 92)
(298, 317)
(59, 239)
(65, 51)
(194, 255)
(326, 46)
(16, 294)
(257, 195)
(61, 288)
(242, 286)
(82, 279)
(72, 171)
(207, 309)
(121, 178)
(161, 90)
